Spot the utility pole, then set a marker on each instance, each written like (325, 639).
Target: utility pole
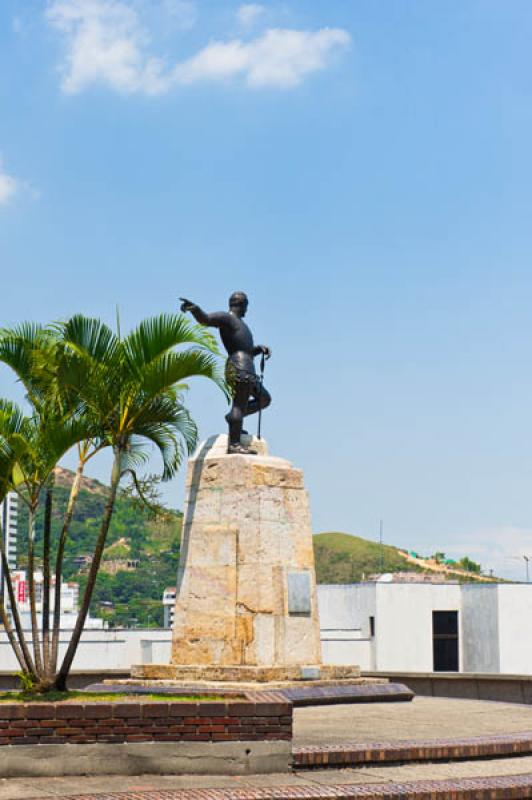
(526, 560)
(382, 547)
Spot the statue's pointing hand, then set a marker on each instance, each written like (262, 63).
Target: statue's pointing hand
(186, 305)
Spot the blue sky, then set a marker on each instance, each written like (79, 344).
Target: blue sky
(361, 168)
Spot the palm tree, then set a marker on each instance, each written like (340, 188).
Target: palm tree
(32, 352)
(11, 423)
(32, 446)
(118, 393)
(131, 390)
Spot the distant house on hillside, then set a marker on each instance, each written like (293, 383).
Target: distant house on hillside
(82, 562)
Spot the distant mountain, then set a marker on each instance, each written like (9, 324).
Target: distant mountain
(64, 477)
(342, 558)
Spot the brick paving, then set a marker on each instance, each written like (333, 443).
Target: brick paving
(350, 693)
(402, 750)
(495, 788)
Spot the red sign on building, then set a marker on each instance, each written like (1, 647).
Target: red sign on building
(21, 591)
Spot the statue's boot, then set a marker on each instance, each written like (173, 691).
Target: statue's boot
(228, 419)
(240, 449)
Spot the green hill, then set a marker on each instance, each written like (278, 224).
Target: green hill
(342, 558)
(127, 597)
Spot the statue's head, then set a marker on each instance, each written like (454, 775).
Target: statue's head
(238, 303)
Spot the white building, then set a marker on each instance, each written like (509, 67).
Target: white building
(169, 606)
(8, 532)
(69, 592)
(69, 601)
(417, 627)
(8, 520)
(102, 649)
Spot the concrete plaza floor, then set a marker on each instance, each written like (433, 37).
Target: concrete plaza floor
(423, 718)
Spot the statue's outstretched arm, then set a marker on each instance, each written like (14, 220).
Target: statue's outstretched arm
(215, 320)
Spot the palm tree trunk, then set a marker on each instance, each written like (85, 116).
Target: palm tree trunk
(4, 619)
(61, 677)
(74, 491)
(29, 666)
(31, 590)
(47, 533)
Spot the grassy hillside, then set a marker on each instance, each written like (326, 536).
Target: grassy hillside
(342, 558)
(127, 597)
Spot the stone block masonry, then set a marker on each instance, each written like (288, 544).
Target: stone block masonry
(246, 583)
(88, 723)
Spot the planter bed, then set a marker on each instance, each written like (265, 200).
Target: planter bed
(135, 720)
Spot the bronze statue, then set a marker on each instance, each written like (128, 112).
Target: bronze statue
(249, 395)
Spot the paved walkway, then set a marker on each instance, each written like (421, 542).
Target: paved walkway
(424, 718)
(310, 785)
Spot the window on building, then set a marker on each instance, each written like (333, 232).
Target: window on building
(445, 641)
(372, 627)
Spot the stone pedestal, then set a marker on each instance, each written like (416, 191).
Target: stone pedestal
(246, 590)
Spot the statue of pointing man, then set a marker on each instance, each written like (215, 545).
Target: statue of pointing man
(249, 395)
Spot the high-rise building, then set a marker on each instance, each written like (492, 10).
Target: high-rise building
(8, 518)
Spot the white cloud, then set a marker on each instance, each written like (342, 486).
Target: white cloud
(106, 43)
(248, 14)
(500, 549)
(9, 186)
(182, 12)
(279, 57)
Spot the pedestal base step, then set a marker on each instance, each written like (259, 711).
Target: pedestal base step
(307, 693)
(244, 674)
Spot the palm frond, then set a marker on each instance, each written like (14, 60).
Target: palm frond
(174, 368)
(156, 336)
(57, 436)
(168, 444)
(6, 468)
(89, 337)
(12, 418)
(134, 455)
(170, 428)
(18, 350)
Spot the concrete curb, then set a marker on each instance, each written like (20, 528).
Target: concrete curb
(503, 688)
(148, 758)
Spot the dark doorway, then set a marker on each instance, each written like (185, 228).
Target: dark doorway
(445, 641)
